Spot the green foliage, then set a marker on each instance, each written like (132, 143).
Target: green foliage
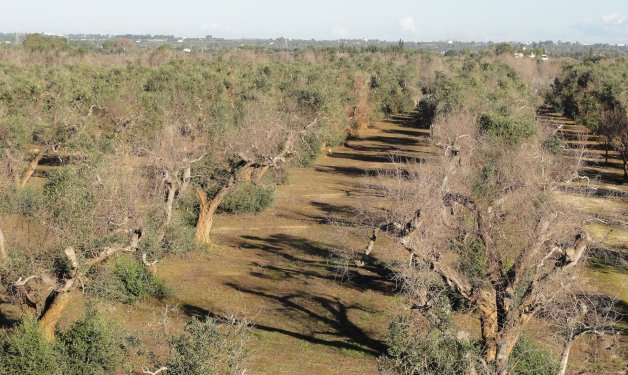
(413, 351)
(552, 144)
(26, 352)
(24, 201)
(248, 198)
(504, 48)
(89, 347)
(44, 43)
(127, 280)
(67, 193)
(585, 90)
(513, 130)
(14, 133)
(205, 349)
(528, 358)
(307, 156)
(472, 262)
(179, 238)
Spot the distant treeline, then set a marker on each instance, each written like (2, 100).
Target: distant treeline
(210, 43)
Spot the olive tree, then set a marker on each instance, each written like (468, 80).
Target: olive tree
(90, 212)
(267, 138)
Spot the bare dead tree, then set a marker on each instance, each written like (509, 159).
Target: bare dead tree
(577, 314)
(177, 148)
(266, 139)
(61, 288)
(484, 218)
(112, 212)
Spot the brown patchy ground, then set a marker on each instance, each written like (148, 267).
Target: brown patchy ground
(276, 270)
(608, 202)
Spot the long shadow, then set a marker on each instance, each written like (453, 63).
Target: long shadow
(333, 214)
(410, 133)
(421, 119)
(378, 158)
(358, 147)
(597, 192)
(202, 314)
(383, 149)
(339, 324)
(393, 140)
(611, 178)
(612, 163)
(348, 171)
(278, 243)
(373, 276)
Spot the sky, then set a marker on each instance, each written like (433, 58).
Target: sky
(586, 21)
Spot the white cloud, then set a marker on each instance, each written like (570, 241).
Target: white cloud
(613, 19)
(339, 32)
(407, 24)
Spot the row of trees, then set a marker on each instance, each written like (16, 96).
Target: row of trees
(486, 233)
(136, 162)
(595, 92)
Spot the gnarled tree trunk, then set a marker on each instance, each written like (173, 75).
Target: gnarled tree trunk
(505, 344)
(206, 212)
(30, 169)
(55, 306)
(487, 306)
(3, 251)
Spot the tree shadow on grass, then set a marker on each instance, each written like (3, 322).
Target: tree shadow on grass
(352, 344)
(388, 158)
(330, 313)
(8, 318)
(374, 276)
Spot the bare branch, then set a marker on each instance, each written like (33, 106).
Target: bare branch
(149, 372)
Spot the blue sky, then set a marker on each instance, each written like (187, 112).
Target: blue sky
(587, 21)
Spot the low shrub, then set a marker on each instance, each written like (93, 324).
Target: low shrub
(528, 358)
(89, 347)
(248, 198)
(26, 352)
(415, 351)
(205, 348)
(127, 280)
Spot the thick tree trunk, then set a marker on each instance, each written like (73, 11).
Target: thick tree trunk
(30, 169)
(564, 358)
(169, 204)
(487, 305)
(171, 190)
(3, 251)
(260, 172)
(55, 306)
(504, 349)
(204, 227)
(247, 176)
(206, 213)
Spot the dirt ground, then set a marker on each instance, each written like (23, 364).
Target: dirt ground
(276, 269)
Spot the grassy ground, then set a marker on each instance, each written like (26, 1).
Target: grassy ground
(276, 269)
(604, 196)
